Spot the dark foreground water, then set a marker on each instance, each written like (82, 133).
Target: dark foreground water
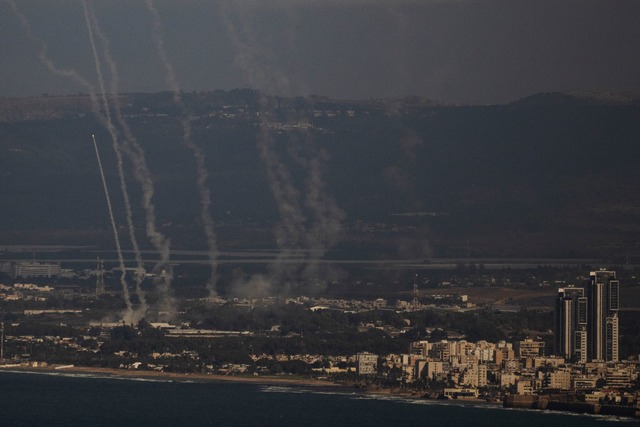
(80, 400)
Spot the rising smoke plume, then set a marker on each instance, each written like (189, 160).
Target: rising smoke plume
(135, 154)
(311, 224)
(102, 118)
(129, 146)
(198, 155)
(130, 315)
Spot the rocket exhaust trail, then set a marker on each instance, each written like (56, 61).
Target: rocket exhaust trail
(290, 231)
(116, 148)
(123, 282)
(135, 154)
(48, 63)
(104, 119)
(314, 222)
(55, 70)
(201, 171)
(328, 217)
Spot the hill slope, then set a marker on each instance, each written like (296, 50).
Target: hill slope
(552, 175)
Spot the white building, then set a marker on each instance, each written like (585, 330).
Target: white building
(35, 269)
(475, 376)
(366, 363)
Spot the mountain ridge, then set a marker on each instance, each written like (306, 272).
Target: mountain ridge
(548, 175)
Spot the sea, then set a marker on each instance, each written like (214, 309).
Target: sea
(67, 399)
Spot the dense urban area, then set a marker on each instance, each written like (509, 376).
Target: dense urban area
(363, 260)
(568, 344)
(402, 212)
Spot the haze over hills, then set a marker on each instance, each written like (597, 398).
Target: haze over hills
(551, 175)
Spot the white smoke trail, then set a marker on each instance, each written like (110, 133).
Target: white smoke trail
(290, 231)
(49, 64)
(102, 118)
(129, 315)
(135, 153)
(259, 65)
(293, 231)
(201, 170)
(140, 170)
(68, 73)
(326, 228)
(115, 229)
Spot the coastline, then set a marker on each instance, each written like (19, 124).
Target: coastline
(184, 377)
(372, 391)
(260, 380)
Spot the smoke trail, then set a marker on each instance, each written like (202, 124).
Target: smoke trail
(115, 229)
(116, 148)
(136, 156)
(201, 171)
(290, 231)
(259, 66)
(322, 229)
(48, 63)
(326, 228)
(135, 153)
(102, 118)
(400, 175)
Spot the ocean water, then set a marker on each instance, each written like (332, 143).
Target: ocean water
(28, 399)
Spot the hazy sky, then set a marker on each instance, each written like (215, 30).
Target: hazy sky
(457, 51)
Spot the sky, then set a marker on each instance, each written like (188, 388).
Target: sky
(452, 51)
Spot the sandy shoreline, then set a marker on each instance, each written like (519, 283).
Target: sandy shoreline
(130, 373)
(264, 380)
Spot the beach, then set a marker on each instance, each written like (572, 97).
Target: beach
(173, 376)
(284, 380)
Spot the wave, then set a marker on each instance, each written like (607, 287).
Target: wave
(89, 375)
(442, 403)
(304, 390)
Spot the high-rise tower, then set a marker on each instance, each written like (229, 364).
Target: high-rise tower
(603, 295)
(570, 324)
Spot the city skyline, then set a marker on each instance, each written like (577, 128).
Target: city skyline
(586, 320)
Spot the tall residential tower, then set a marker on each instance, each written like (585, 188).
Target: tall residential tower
(586, 320)
(570, 324)
(603, 297)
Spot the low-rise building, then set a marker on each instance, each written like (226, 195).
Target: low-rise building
(529, 348)
(366, 363)
(35, 269)
(560, 380)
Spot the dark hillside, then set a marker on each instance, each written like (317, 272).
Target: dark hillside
(552, 175)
